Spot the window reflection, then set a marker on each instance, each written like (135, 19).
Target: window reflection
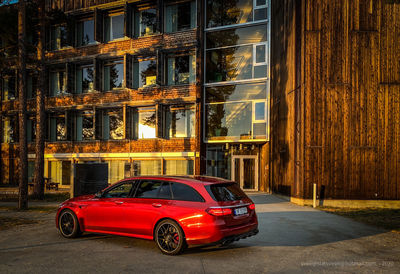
(58, 129)
(10, 129)
(231, 12)
(113, 75)
(181, 16)
(58, 82)
(147, 123)
(236, 92)
(85, 35)
(114, 27)
(59, 37)
(230, 119)
(147, 73)
(84, 125)
(180, 122)
(148, 22)
(146, 167)
(181, 69)
(113, 125)
(84, 79)
(8, 87)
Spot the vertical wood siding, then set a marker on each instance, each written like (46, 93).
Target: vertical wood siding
(350, 112)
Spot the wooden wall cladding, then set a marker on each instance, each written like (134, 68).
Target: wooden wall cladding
(351, 101)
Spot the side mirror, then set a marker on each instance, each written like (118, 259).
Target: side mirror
(98, 194)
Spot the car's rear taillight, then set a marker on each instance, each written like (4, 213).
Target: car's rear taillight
(219, 211)
(252, 206)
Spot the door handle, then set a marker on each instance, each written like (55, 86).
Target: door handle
(156, 205)
(119, 202)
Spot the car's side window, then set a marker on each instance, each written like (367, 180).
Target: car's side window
(147, 189)
(120, 191)
(184, 192)
(165, 191)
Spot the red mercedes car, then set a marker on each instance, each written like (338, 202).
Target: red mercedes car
(175, 212)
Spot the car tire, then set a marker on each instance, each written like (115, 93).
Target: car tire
(169, 237)
(68, 224)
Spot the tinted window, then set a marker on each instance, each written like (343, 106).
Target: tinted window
(120, 191)
(225, 192)
(185, 193)
(147, 189)
(165, 191)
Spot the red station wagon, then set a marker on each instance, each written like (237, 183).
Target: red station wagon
(175, 212)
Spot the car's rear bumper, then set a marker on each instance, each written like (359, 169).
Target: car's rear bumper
(225, 235)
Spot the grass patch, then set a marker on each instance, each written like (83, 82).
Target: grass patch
(48, 197)
(8, 222)
(380, 217)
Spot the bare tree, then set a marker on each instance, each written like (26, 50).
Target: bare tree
(23, 147)
(40, 113)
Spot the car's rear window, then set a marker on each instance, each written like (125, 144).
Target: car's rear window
(184, 192)
(225, 192)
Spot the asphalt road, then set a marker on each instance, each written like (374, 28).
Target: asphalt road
(291, 239)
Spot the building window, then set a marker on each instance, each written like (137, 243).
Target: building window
(85, 33)
(31, 129)
(57, 127)
(58, 37)
(84, 79)
(181, 69)
(113, 27)
(58, 82)
(60, 172)
(84, 125)
(145, 73)
(180, 122)
(117, 170)
(113, 124)
(31, 86)
(178, 167)
(236, 54)
(232, 12)
(31, 170)
(146, 167)
(8, 87)
(113, 75)
(10, 129)
(146, 20)
(146, 123)
(181, 16)
(237, 112)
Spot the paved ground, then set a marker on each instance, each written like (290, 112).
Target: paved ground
(291, 239)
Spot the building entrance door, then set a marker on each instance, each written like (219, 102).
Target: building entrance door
(245, 171)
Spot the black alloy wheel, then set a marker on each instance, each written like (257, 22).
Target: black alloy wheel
(169, 237)
(68, 224)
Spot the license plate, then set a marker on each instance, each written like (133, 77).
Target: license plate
(240, 211)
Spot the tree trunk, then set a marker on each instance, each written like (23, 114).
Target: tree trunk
(40, 114)
(23, 147)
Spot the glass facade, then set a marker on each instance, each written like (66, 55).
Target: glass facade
(236, 89)
(232, 12)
